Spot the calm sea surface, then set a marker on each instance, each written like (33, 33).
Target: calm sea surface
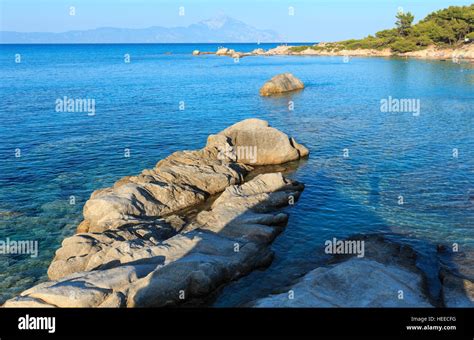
(392, 154)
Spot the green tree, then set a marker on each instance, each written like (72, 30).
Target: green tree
(403, 23)
(403, 45)
(451, 26)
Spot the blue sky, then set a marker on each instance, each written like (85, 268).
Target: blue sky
(313, 20)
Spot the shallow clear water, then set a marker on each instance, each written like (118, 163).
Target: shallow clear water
(137, 107)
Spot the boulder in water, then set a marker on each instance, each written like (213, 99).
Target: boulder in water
(281, 83)
(253, 141)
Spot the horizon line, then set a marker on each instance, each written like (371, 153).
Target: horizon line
(164, 43)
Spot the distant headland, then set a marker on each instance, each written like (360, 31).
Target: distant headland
(442, 35)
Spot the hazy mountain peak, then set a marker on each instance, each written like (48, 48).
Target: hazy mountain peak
(220, 29)
(218, 22)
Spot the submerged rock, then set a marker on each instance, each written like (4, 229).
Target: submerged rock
(258, 51)
(389, 275)
(281, 83)
(457, 277)
(131, 266)
(353, 283)
(457, 291)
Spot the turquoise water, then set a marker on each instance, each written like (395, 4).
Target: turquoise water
(66, 154)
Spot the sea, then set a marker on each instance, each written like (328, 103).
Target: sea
(391, 142)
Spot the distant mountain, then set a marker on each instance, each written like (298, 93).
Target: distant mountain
(217, 30)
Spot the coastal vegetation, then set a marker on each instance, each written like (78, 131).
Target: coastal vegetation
(448, 27)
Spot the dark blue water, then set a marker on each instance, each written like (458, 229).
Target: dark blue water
(66, 154)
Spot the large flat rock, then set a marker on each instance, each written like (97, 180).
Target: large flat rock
(353, 283)
(389, 274)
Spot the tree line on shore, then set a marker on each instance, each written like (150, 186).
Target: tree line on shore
(450, 27)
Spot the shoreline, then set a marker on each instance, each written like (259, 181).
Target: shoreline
(464, 53)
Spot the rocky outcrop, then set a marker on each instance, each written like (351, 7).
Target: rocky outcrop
(279, 50)
(258, 51)
(389, 275)
(237, 55)
(465, 52)
(345, 52)
(181, 180)
(375, 280)
(281, 83)
(353, 283)
(228, 52)
(128, 243)
(136, 248)
(196, 52)
(457, 54)
(224, 51)
(187, 178)
(134, 267)
(246, 205)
